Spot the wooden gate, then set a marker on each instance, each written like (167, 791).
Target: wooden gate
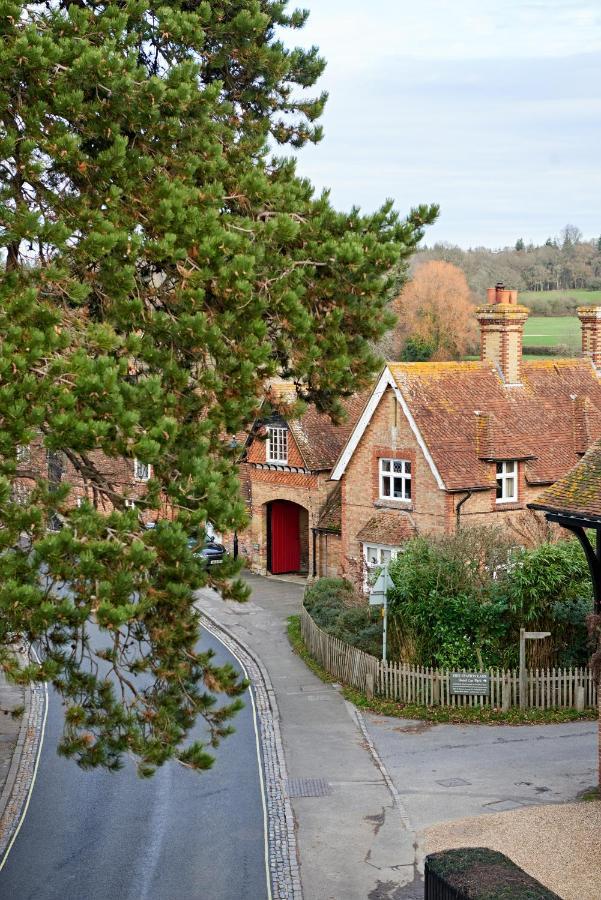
(284, 537)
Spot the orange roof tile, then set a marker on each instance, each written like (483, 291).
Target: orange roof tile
(388, 527)
(578, 492)
(540, 421)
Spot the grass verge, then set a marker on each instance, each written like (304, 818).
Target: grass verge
(485, 715)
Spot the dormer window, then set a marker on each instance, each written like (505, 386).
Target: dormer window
(507, 481)
(395, 479)
(277, 445)
(142, 470)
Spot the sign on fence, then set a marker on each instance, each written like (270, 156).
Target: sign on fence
(476, 683)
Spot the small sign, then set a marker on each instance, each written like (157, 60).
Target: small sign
(476, 683)
(378, 591)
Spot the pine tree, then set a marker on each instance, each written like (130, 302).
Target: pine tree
(159, 266)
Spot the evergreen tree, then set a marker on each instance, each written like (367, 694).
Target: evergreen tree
(159, 266)
(519, 245)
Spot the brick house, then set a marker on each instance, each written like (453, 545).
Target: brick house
(293, 506)
(441, 443)
(126, 477)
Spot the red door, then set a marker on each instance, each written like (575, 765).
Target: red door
(285, 537)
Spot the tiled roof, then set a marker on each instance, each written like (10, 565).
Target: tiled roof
(578, 492)
(467, 415)
(388, 527)
(331, 513)
(317, 438)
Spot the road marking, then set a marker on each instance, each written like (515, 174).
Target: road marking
(33, 778)
(259, 763)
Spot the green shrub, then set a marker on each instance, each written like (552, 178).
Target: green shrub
(458, 601)
(335, 606)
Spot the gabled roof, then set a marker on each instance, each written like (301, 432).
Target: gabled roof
(388, 527)
(318, 439)
(330, 518)
(578, 492)
(463, 415)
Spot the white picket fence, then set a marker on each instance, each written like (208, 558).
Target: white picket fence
(546, 688)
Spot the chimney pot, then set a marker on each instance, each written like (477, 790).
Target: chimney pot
(501, 329)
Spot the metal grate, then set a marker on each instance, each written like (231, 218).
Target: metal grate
(308, 787)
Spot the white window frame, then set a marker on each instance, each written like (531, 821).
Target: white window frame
(277, 444)
(130, 503)
(23, 453)
(507, 473)
(387, 474)
(380, 551)
(142, 470)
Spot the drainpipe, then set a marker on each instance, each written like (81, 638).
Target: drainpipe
(468, 494)
(314, 530)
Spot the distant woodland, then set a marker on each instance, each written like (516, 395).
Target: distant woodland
(567, 262)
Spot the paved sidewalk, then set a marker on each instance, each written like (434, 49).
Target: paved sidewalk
(352, 834)
(12, 697)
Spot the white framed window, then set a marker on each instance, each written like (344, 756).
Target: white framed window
(507, 481)
(20, 493)
(142, 470)
(23, 453)
(374, 556)
(277, 444)
(395, 479)
(129, 503)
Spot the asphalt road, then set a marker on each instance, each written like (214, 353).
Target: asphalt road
(180, 835)
(445, 772)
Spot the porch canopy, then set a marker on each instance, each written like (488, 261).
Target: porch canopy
(574, 502)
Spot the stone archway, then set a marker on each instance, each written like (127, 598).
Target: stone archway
(287, 537)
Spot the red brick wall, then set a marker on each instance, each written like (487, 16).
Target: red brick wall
(309, 491)
(387, 435)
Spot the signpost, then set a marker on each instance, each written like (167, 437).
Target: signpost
(378, 597)
(527, 636)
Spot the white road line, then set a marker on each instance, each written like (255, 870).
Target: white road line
(258, 749)
(33, 778)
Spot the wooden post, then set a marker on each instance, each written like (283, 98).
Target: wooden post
(580, 697)
(436, 689)
(369, 685)
(505, 693)
(523, 675)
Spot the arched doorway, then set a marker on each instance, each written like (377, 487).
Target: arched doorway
(287, 537)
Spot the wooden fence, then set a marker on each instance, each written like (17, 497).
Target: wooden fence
(545, 688)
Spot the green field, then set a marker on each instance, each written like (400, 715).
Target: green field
(550, 331)
(582, 297)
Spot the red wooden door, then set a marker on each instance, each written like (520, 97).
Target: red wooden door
(285, 537)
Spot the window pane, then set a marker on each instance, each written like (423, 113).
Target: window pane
(499, 469)
(386, 486)
(510, 487)
(407, 490)
(398, 488)
(398, 465)
(385, 463)
(407, 467)
(384, 556)
(499, 490)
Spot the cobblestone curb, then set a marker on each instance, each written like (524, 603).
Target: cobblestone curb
(281, 835)
(21, 773)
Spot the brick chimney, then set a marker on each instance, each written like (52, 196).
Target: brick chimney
(590, 323)
(501, 330)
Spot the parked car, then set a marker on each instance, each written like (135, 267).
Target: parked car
(210, 551)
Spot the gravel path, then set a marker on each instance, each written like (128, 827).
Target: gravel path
(558, 844)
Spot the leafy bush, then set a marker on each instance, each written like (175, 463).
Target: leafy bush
(458, 601)
(443, 607)
(335, 606)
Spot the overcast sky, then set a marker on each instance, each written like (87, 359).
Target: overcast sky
(491, 108)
